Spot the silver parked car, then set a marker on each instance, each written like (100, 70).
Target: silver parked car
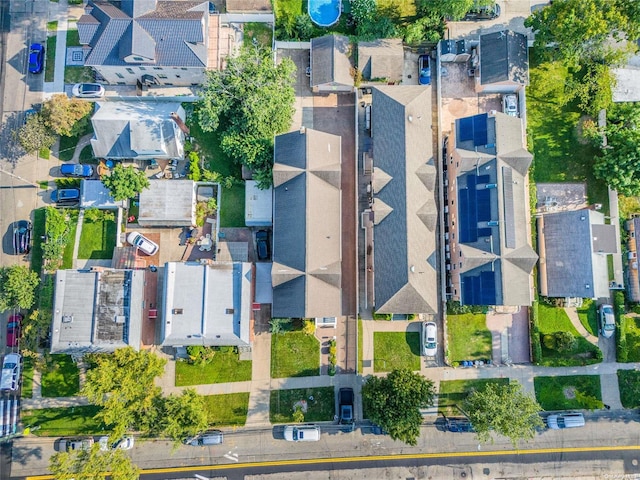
(87, 90)
(142, 243)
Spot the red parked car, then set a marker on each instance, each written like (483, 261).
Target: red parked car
(14, 327)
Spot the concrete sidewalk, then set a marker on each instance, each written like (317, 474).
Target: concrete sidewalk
(59, 13)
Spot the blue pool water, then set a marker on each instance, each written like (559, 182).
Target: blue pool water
(324, 13)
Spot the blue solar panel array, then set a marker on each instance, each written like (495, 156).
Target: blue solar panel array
(474, 128)
(474, 207)
(479, 289)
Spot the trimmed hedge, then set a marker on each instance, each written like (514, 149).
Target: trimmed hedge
(534, 332)
(622, 351)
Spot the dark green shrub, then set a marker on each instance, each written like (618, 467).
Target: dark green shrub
(454, 308)
(382, 316)
(549, 341)
(536, 346)
(565, 341)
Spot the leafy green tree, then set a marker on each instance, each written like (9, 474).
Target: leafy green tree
(363, 11)
(379, 27)
(184, 415)
(619, 163)
(34, 135)
(92, 465)
(579, 30)
(394, 403)
(247, 104)
(123, 383)
(17, 287)
(449, 9)
(504, 409)
(303, 27)
(66, 116)
(428, 28)
(565, 341)
(125, 182)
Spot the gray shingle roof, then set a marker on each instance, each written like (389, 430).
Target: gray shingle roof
(307, 249)
(330, 60)
(404, 201)
(174, 34)
(571, 264)
(382, 58)
(137, 130)
(504, 58)
(503, 163)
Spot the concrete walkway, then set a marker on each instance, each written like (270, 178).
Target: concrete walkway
(57, 86)
(76, 245)
(572, 313)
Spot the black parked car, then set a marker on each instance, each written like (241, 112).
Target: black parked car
(459, 425)
(21, 237)
(345, 407)
(262, 244)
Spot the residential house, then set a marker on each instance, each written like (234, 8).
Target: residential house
(163, 42)
(574, 247)
(138, 130)
(503, 62)
(381, 60)
(97, 310)
(330, 64)
(207, 305)
(168, 203)
(307, 231)
(93, 194)
(633, 247)
(489, 258)
(404, 204)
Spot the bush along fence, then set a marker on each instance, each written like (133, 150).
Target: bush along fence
(536, 346)
(622, 351)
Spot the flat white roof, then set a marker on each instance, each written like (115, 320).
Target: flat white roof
(258, 205)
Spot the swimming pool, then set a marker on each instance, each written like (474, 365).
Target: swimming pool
(325, 13)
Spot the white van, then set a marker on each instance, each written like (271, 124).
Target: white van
(565, 420)
(301, 433)
(10, 379)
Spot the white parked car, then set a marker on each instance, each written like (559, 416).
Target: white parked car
(510, 105)
(11, 366)
(125, 443)
(429, 339)
(607, 321)
(142, 243)
(87, 90)
(301, 433)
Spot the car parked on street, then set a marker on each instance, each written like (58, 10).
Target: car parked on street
(125, 443)
(36, 58)
(459, 425)
(345, 406)
(424, 70)
(87, 90)
(429, 339)
(66, 196)
(302, 433)
(607, 321)
(14, 328)
(21, 237)
(142, 243)
(212, 437)
(565, 420)
(262, 244)
(75, 444)
(11, 366)
(510, 104)
(76, 170)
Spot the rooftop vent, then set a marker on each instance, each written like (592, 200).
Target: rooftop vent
(67, 318)
(120, 319)
(177, 311)
(229, 311)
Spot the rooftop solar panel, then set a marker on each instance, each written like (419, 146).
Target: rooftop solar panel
(465, 129)
(483, 205)
(480, 129)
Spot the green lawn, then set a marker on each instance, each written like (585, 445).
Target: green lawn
(86, 156)
(468, 337)
(78, 74)
(97, 239)
(394, 350)
(589, 316)
(406, 8)
(453, 393)
(73, 38)
(559, 156)
(629, 383)
(570, 392)
(294, 354)
(52, 26)
(232, 206)
(211, 153)
(224, 368)
(67, 257)
(27, 378)
(320, 404)
(39, 222)
(227, 410)
(62, 378)
(57, 422)
(68, 144)
(555, 319)
(262, 32)
(50, 58)
(632, 331)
